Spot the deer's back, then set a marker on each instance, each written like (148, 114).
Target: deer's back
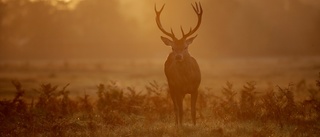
(183, 76)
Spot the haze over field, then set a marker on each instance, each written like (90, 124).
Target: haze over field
(86, 42)
(96, 68)
(99, 29)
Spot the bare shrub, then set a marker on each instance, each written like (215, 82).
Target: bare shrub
(110, 103)
(249, 101)
(85, 104)
(158, 101)
(135, 101)
(226, 107)
(311, 106)
(14, 113)
(55, 113)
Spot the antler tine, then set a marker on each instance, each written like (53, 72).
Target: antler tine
(198, 9)
(201, 11)
(159, 23)
(172, 33)
(155, 9)
(182, 30)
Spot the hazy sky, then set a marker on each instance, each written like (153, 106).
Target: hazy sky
(127, 28)
(267, 26)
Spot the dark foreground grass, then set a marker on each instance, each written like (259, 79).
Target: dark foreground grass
(124, 111)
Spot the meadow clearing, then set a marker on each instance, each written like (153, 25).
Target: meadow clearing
(96, 68)
(238, 97)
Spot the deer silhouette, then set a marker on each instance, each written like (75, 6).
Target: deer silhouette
(181, 69)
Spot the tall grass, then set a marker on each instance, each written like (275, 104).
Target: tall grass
(125, 111)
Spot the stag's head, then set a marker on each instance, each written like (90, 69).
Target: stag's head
(179, 46)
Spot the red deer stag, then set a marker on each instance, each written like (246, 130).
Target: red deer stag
(181, 69)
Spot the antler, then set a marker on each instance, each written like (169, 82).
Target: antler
(198, 10)
(159, 23)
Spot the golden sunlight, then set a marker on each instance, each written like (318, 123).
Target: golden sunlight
(134, 9)
(114, 68)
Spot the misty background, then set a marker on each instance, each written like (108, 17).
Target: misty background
(68, 29)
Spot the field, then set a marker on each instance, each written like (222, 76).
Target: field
(238, 97)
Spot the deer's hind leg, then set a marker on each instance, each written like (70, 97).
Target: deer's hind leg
(194, 97)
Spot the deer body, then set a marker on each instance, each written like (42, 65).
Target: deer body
(181, 69)
(183, 77)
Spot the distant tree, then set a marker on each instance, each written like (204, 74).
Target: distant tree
(27, 26)
(265, 27)
(101, 28)
(43, 29)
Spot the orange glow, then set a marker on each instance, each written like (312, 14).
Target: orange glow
(108, 68)
(125, 30)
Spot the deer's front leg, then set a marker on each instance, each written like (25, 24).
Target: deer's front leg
(180, 109)
(194, 97)
(175, 106)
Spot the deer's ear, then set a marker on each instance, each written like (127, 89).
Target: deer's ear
(166, 41)
(190, 40)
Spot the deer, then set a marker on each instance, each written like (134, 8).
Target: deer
(181, 69)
